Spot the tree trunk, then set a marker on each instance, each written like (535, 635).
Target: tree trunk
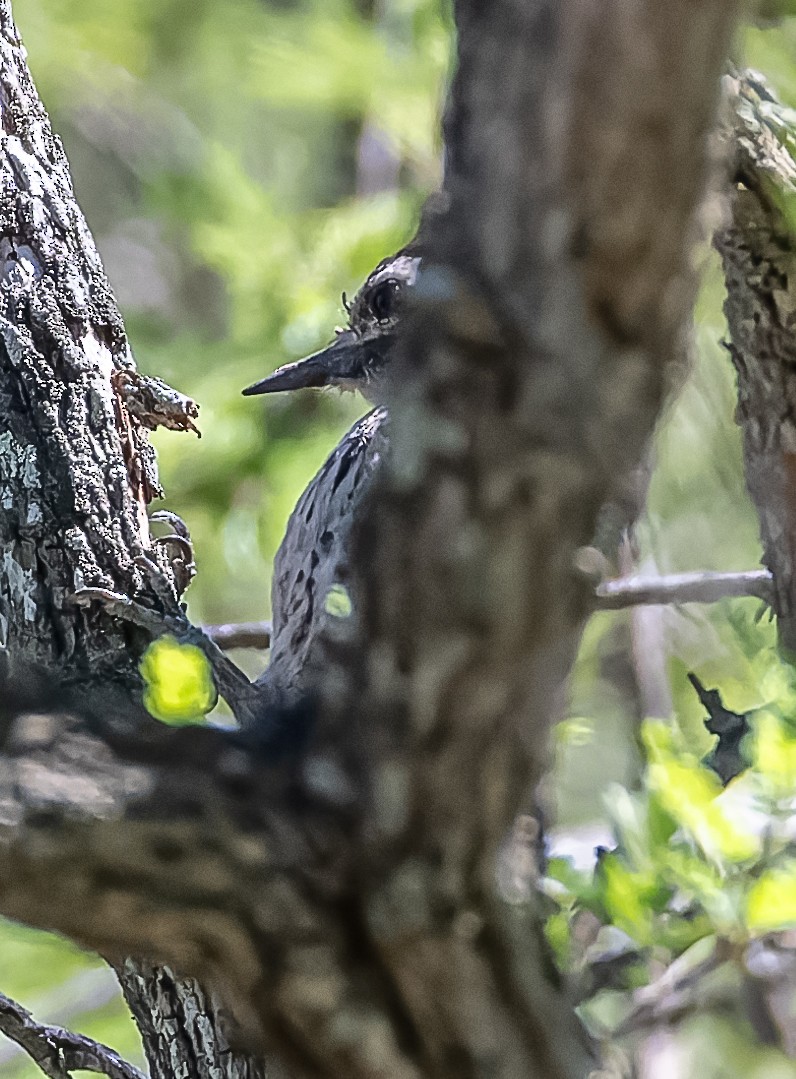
(335, 881)
(77, 472)
(759, 261)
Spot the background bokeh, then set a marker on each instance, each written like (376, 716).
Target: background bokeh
(241, 163)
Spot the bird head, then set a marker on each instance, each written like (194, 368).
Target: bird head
(359, 355)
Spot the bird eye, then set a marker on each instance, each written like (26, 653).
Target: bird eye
(384, 299)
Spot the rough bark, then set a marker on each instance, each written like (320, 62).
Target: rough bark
(77, 470)
(184, 1029)
(337, 884)
(76, 467)
(759, 257)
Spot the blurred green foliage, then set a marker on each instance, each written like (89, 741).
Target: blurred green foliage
(61, 984)
(241, 164)
(692, 874)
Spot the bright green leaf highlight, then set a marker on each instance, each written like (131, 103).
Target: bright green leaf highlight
(558, 935)
(575, 731)
(689, 792)
(771, 902)
(179, 683)
(338, 602)
(630, 897)
(773, 751)
(776, 682)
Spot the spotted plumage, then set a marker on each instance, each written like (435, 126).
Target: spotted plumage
(312, 562)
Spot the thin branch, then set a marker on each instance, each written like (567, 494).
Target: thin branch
(683, 588)
(702, 587)
(59, 1052)
(240, 635)
(672, 996)
(87, 991)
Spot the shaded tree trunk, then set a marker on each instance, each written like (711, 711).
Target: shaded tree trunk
(759, 259)
(338, 890)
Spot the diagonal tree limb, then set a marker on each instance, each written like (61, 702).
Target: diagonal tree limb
(59, 1052)
(246, 700)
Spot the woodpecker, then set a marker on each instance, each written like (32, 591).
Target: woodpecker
(358, 357)
(313, 560)
(312, 575)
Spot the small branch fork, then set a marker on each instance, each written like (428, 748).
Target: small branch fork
(59, 1052)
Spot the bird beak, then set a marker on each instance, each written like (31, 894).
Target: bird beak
(342, 361)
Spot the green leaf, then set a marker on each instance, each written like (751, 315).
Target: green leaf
(660, 822)
(557, 931)
(337, 602)
(575, 731)
(572, 884)
(696, 879)
(630, 897)
(689, 792)
(771, 901)
(179, 682)
(774, 751)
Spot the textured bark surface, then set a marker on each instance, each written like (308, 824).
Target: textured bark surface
(337, 883)
(759, 258)
(76, 468)
(183, 1028)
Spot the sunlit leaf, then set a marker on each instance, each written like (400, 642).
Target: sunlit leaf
(689, 792)
(629, 817)
(178, 680)
(337, 602)
(698, 880)
(771, 902)
(774, 751)
(558, 935)
(630, 897)
(575, 731)
(776, 680)
(660, 822)
(574, 881)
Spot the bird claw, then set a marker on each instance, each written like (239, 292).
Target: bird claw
(179, 548)
(162, 585)
(173, 519)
